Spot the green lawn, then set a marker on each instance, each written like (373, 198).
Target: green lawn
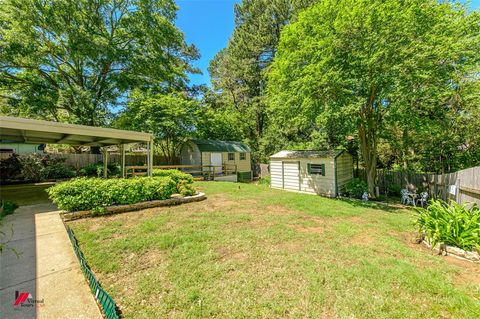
(252, 252)
(25, 194)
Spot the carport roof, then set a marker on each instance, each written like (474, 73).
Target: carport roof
(307, 154)
(21, 130)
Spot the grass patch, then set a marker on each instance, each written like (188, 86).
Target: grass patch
(25, 194)
(251, 251)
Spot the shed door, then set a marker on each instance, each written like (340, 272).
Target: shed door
(291, 175)
(216, 159)
(276, 174)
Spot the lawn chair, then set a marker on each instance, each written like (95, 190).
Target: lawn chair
(406, 199)
(423, 198)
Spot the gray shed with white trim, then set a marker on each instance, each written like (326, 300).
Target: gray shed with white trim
(321, 172)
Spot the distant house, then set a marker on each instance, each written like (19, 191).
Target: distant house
(226, 157)
(321, 172)
(7, 149)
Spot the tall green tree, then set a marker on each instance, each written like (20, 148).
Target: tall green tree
(238, 71)
(371, 62)
(76, 61)
(171, 118)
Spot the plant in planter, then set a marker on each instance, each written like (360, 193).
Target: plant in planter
(450, 224)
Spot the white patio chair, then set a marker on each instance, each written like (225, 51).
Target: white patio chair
(423, 198)
(406, 199)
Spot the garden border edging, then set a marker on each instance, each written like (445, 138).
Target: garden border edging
(116, 209)
(456, 252)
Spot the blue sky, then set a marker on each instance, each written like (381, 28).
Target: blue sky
(208, 24)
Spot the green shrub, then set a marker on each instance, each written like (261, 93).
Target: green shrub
(393, 190)
(265, 180)
(356, 187)
(35, 167)
(96, 170)
(450, 224)
(183, 181)
(186, 189)
(96, 193)
(8, 207)
(32, 167)
(57, 171)
(11, 167)
(174, 174)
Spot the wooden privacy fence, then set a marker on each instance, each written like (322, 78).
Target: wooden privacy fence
(462, 186)
(78, 161)
(208, 172)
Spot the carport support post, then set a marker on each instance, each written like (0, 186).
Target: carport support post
(105, 162)
(122, 159)
(150, 158)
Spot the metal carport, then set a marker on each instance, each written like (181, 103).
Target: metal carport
(21, 130)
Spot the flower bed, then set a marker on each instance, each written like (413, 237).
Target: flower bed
(117, 209)
(453, 227)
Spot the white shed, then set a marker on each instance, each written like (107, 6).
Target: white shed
(321, 172)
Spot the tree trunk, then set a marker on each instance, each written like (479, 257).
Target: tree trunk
(367, 132)
(369, 155)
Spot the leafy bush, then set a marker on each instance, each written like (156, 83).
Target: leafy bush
(57, 171)
(32, 166)
(8, 207)
(35, 167)
(96, 169)
(11, 167)
(185, 188)
(95, 193)
(393, 190)
(356, 187)
(183, 181)
(450, 224)
(264, 180)
(175, 174)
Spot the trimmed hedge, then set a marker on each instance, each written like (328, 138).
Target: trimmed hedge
(175, 174)
(96, 193)
(182, 180)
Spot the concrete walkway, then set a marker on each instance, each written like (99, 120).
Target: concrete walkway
(46, 268)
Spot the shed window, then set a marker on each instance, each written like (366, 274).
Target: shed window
(316, 169)
(243, 156)
(231, 156)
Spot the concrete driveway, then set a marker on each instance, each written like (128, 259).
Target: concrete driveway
(44, 280)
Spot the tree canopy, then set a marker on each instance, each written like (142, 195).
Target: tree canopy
(170, 118)
(361, 66)
(238, 71)
(77, 61)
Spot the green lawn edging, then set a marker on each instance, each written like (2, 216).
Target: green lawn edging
(107, 304)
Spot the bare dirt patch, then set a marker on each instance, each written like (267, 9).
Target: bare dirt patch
(227, 253)
(469, 272)
(363, 239)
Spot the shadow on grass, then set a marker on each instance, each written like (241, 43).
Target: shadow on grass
(388, 207)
